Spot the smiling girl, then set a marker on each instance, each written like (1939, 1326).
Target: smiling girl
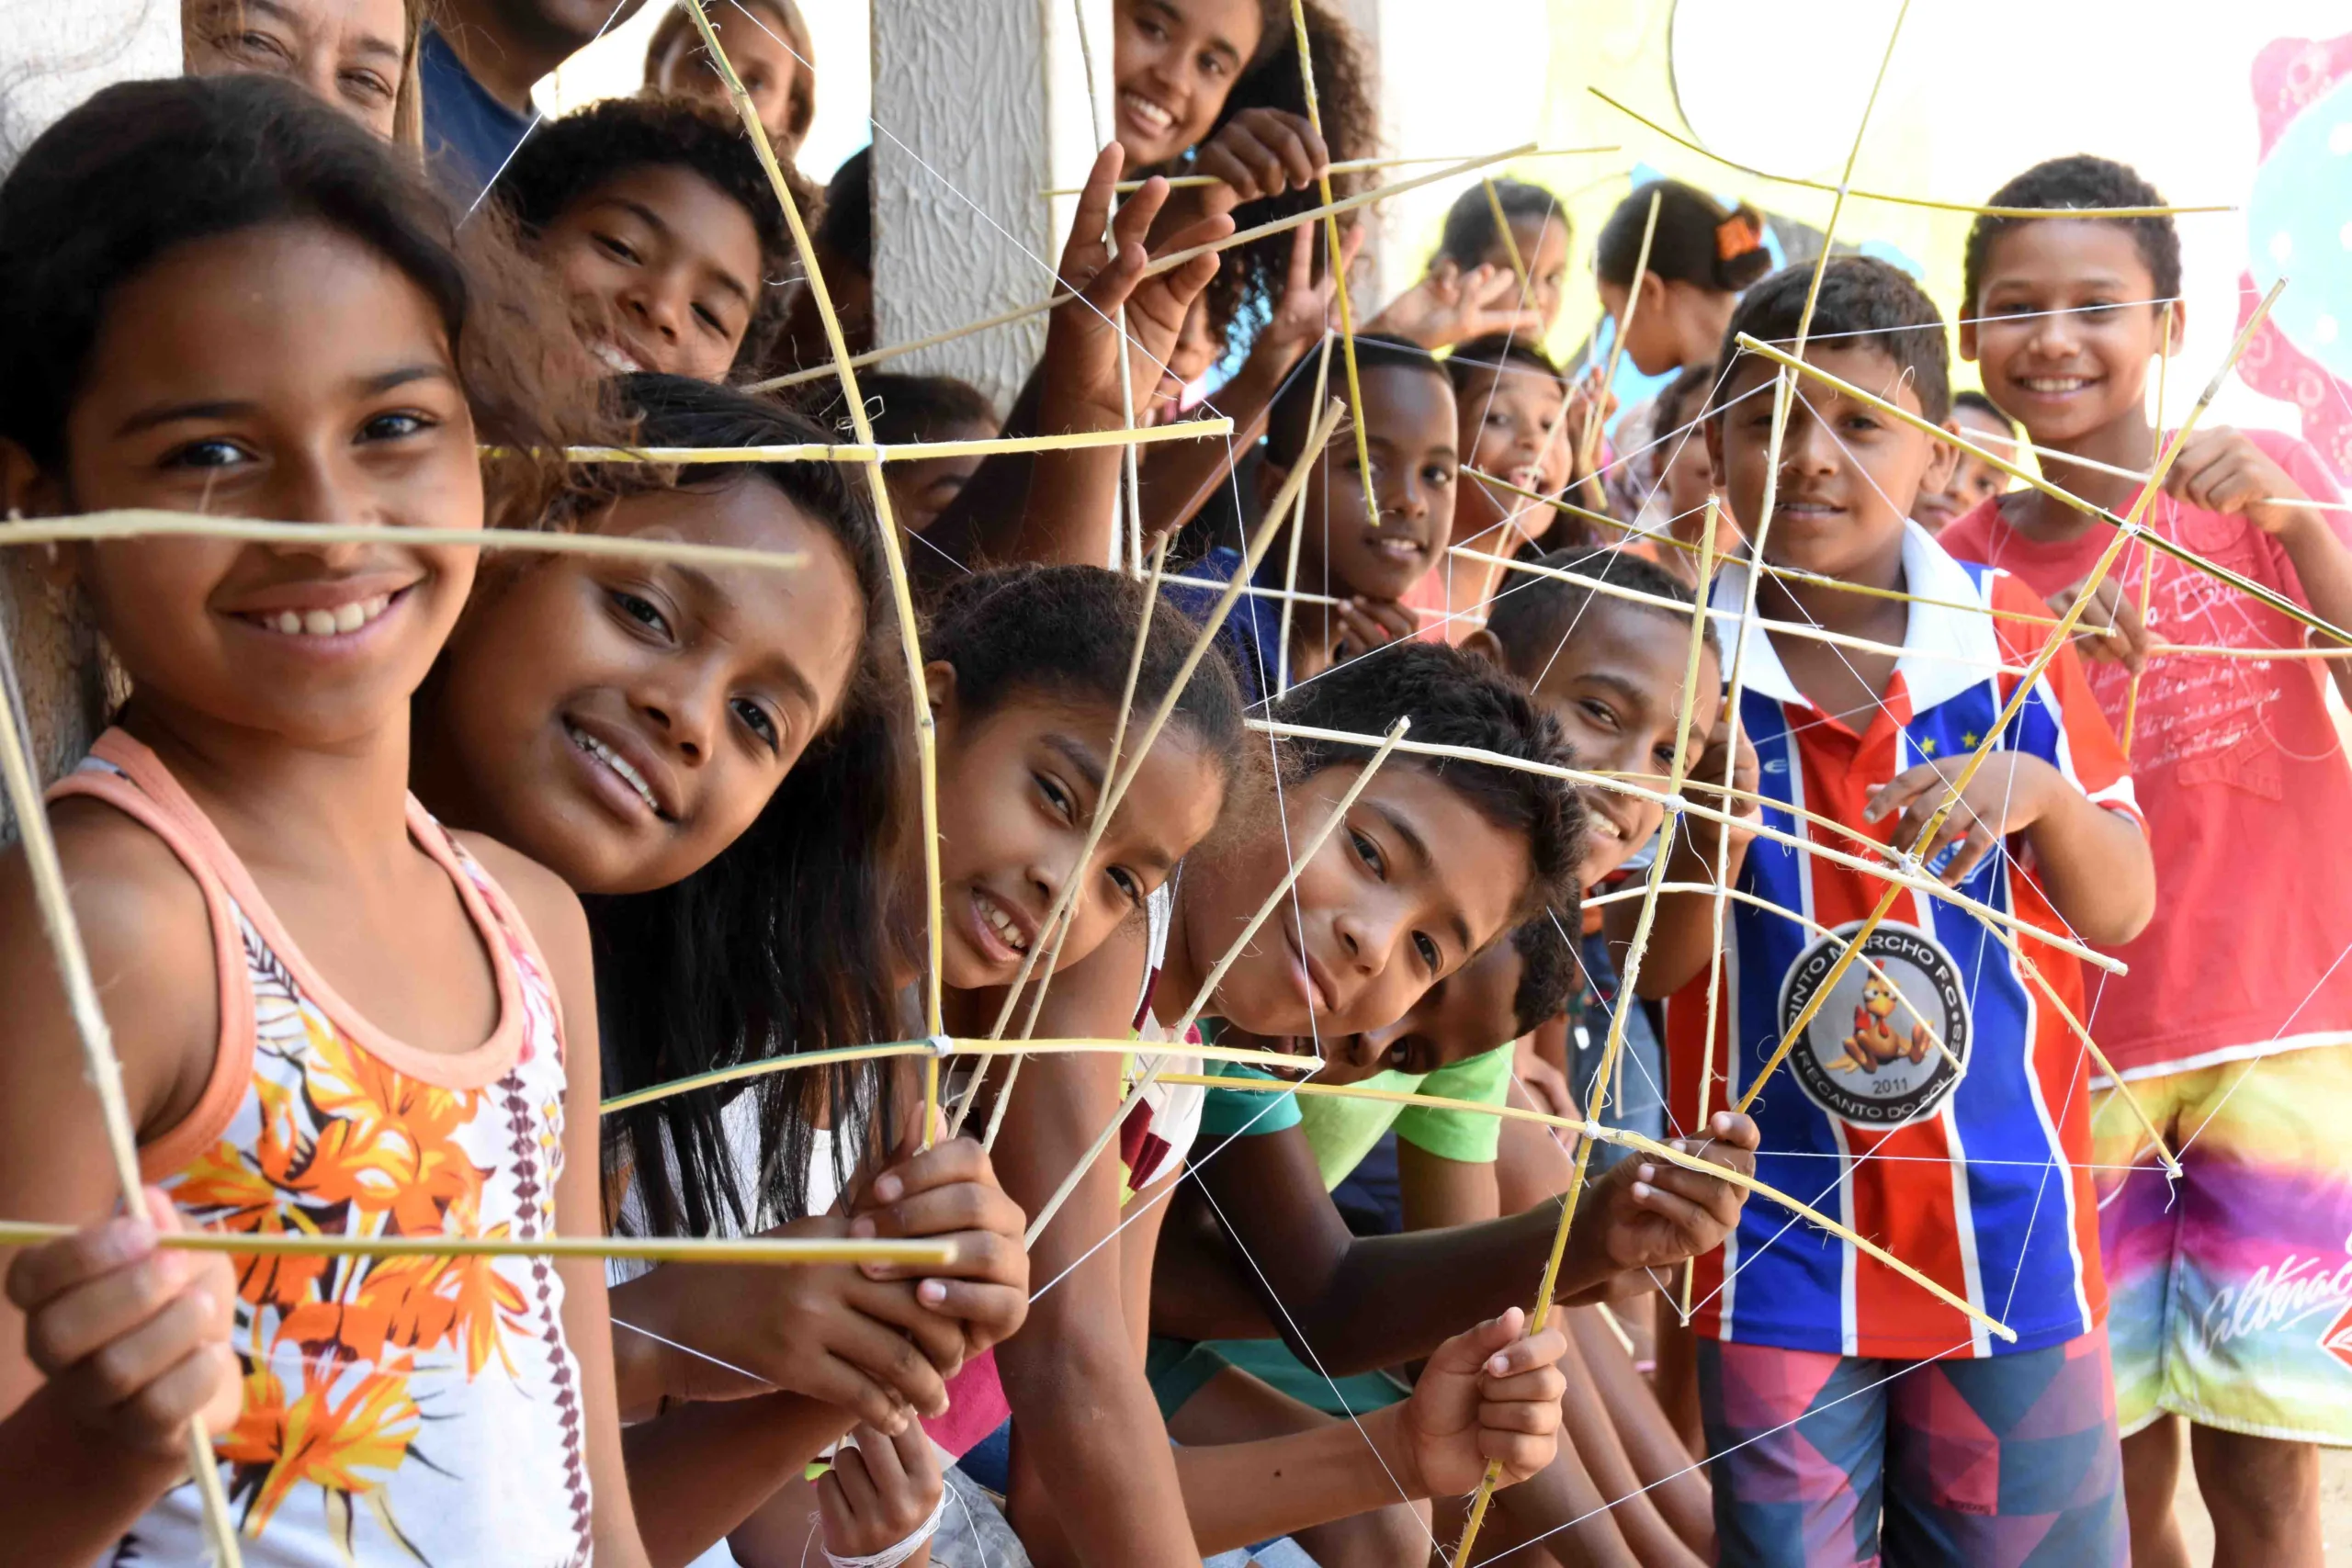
(332, 1015)
(693, 750)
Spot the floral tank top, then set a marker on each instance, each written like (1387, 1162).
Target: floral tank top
(398, 1410)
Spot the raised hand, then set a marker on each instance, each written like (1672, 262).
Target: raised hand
(1450, 305)
(1081, 363)
(2221, 471)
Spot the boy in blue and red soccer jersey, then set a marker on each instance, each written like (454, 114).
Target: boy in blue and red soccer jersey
(1853, 1413)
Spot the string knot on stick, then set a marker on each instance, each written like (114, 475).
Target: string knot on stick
(941, 1044)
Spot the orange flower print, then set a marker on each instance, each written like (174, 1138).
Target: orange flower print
(388, 1143)
(348, 1447)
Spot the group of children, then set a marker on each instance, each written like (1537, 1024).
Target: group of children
(400, 856)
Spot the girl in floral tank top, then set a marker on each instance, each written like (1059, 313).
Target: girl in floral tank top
(331, 1017)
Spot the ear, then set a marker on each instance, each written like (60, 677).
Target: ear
(1968, 340)
(2180, 327)
(1271, 476)
(25, 490)
(1717, 479)
(1944, 461)
(1486, 645)
(939, 688)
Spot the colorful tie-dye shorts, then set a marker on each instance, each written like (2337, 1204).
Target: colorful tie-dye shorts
(2230, 1291)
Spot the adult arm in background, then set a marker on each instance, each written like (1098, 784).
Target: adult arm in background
(1059, 507)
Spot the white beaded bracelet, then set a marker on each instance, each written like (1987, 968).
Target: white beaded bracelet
(892, 1556)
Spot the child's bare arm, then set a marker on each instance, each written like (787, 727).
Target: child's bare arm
(102, 1339)
(2221, 471)
(2093, 862)
(1084, 1413)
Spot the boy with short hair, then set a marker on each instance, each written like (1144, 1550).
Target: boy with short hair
(1408, 419)
(2247, 793)
(1834, 1391)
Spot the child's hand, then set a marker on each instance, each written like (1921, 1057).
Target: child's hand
(1081, 386)
(2221, 471)
(1485, 1395)
(2010, 793)
(827, 1332)
(1303, 313)
(949, 1191)
(133, 1337)
(1257, 153)
(2110, 630)
(880, 1493)
(1450, 305)
(1650, 1213)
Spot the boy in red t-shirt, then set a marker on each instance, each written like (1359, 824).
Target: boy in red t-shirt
(2231, 1293)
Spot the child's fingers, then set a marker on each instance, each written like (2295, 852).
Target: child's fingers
(1523, 1353)
(836, 1381)
(39, 1273)
(1094, 201)
(1975, 845)
(856, 1481)
(1900, 790)
(990, 1313)
(75, 1322)
(957, 1213)
(919, 1462)
(1131, 227)
(1300, 277)
(205, 1383)
(885, 1469)
(1529, 1402)
(945, 1164)
(1718, 1199)
(895, 1360)
(117, 1375)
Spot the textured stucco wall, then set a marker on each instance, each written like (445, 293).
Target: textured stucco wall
(54, 53)
(979, 107)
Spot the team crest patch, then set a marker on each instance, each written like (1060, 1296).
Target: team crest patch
(1869, 1057)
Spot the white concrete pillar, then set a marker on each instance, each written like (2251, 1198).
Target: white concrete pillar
(980, 106)
(54, 56)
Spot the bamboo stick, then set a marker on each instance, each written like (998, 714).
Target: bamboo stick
(2179, 552)
(1336, 259)
(926, 743)
(1589, 443)
(1590, 1129)
(1344, 166)
(2057, 641)
(47, 874)
(902, 451)
(1895, 876)
(2078, 213)
(1299, 862)
(140, 524)
(2148, 557)
(643, 1249)
(1159, 265)
(957, 1045)
(1298, 530)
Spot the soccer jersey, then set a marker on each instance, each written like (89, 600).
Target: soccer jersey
(1974, 1178)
